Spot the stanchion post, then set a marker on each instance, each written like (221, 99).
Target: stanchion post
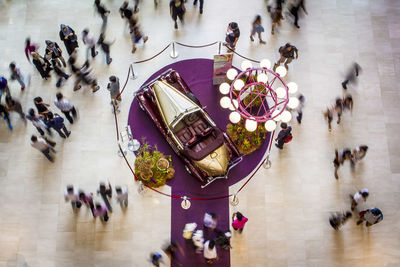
(133, 76)
(267, 163)
(219, 48)
(174, 53)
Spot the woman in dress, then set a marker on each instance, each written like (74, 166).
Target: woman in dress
(68, 36)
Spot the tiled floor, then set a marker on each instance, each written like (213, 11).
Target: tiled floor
(288, 205)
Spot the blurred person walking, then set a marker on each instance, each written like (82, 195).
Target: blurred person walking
(177, 9)
(210, 221)
(68, 36)
(201, 5)
(29, 48)
(87, 199)
(105, 46)
(339, 219)
(340, 157)
(294, 7)
(71, 194)
(113, 87)
(359, 153)
(89, 41)
(37, 121)
(136, 35)
(210, 252)
(41, 144)
(359, 197)
(276, 18)
(256, 27)
(41, 107)
(15, 105)
(351, 75)
(198, 240)
(105, 193)
(59, 72)
(4, 113)
(100, 211)
(284, 136)
(121, 195)
(4, 89)
(238, 222)
(66, 107)
(17, 75)
(103, 12)
(372, 216)
(232, 35)
(53, 51)
(287, 54)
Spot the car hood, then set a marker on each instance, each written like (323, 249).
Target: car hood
(215, 163)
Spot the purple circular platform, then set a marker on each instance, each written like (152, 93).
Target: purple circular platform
(197, 73)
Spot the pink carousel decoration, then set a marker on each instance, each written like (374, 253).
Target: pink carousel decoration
(258, 95)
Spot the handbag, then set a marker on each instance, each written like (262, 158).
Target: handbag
(288, 138)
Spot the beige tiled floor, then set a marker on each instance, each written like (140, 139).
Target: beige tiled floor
(288, 205)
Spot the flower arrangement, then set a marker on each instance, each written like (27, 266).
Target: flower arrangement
(246, 142)
(152, 167)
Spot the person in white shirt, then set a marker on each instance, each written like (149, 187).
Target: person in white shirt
(359, 197)
(122, 195)
(71, 194)
(198, 240)
(66, 107)
(90, 42)
(210, 251)
(41, 145)
(210, 221)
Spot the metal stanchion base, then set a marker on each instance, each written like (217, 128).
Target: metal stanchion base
(120, 154)
(134, 76)
(141, 188)
(133, 145)
(234, 201)
(267, 164)
(174, 54)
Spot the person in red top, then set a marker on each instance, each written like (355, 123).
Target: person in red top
(240, 221)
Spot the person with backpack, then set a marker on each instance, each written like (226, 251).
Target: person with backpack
(232, 35)
(287, 54)
(284, 136)
(359, 197)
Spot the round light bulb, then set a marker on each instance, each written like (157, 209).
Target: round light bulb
(286, 116)
(262, 78)
(234, 117)
(246, 65)
(275, 115)
(238, 84)
(231, 74)
(281, 71)
(270, 125)
(265, 63)
(280, 92)
(225, 102)
(224, 88)
(251, 125)
(292, 87)
(293, 102)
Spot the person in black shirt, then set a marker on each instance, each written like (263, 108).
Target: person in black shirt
(103, 12)
(60, 73)
(232, 34)
(53, 51)
(105, 47)
(294, 9)
(283, 135)
(287, 53)
(201, 5)
(68, 36)
(125, 11)
(4, 113)
(177, 9)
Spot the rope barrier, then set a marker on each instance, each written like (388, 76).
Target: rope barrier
(117, 131)
(233, 51)
(196, 46)
(168, 195)
(159, 53)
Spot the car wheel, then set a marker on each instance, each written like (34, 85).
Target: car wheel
(193, 98)
(187, 169)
